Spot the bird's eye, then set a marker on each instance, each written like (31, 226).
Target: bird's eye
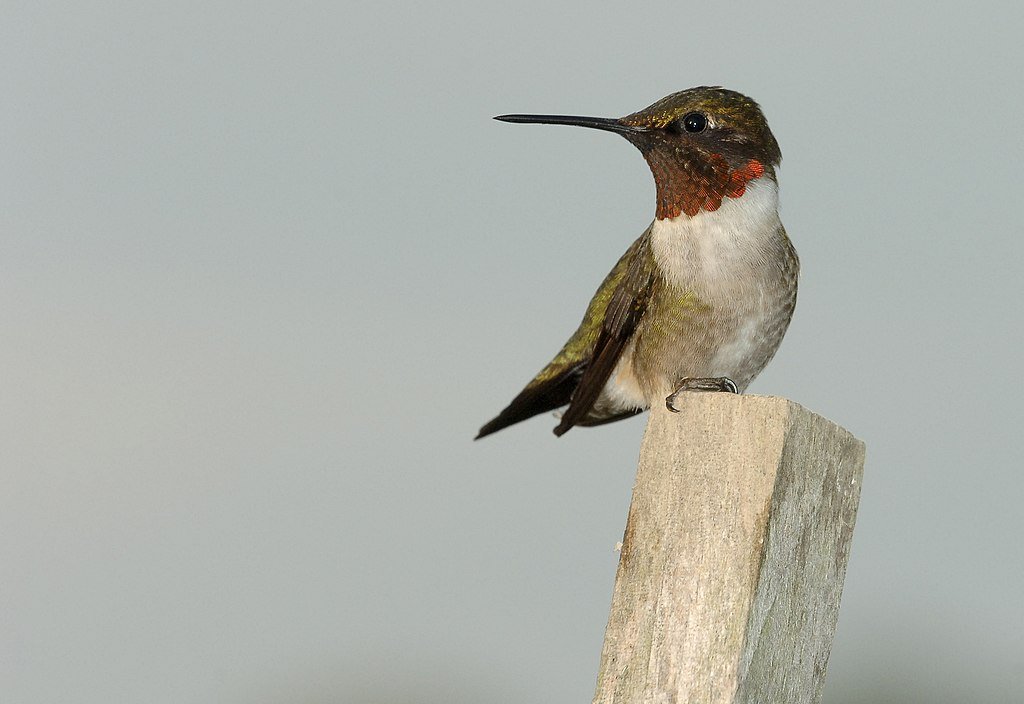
(694, 122)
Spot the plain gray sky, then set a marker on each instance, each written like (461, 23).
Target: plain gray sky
(266, 267)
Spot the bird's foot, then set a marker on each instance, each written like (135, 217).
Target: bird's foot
(717, 383)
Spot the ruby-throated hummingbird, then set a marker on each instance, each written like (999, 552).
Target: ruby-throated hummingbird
(702, 299)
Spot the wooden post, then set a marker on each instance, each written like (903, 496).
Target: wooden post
(734, 555)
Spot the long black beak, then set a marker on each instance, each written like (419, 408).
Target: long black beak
(608, 124)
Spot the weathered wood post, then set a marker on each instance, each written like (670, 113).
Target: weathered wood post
(734, 555)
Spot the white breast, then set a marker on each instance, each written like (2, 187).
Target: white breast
(729, 260)
(712, 251)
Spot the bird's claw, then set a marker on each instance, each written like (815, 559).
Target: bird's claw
(717, 383)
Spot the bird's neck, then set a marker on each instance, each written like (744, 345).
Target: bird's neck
(688, 186)
(723, 244)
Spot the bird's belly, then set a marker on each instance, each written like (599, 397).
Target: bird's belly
(734, 337)
(746, 346)
(736, 342)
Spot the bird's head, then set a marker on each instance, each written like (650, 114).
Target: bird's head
(702, 144)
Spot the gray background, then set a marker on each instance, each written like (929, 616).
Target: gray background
(265, 268)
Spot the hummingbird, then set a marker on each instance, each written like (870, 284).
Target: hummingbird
(701, 300)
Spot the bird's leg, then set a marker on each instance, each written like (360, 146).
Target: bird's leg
(716, 383)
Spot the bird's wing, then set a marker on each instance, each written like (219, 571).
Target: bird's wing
(624, 311)
(553, 387)
(552, 392)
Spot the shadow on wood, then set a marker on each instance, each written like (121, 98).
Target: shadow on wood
(734, 555)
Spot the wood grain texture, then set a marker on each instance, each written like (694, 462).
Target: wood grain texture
(734, 555)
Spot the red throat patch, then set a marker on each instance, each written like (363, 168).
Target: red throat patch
(688, 188)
